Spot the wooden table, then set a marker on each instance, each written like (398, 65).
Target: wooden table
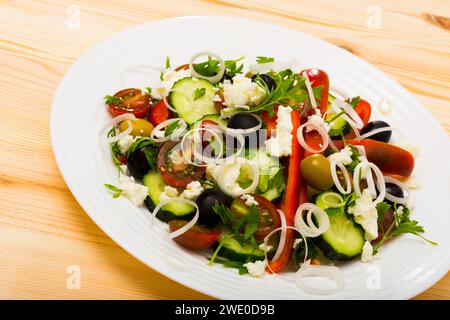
(43, 230)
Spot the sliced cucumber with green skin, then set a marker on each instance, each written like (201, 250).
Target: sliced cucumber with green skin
(172, 210)
(338, 125)
(232, 249)
(182, 99)
(344, 239)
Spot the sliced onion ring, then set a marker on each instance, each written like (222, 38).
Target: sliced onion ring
(320, 130)
(337, 182)
(405, 190)
(309, 229)
(328, 272)
(380, 180)
(203, 161)
(375, 131)
(213, 79)
(178, 132)
(184, 228)
(309, 88)
(179, 92)
(115, 121)
(282, 241)
(352, 116)
(240, 191)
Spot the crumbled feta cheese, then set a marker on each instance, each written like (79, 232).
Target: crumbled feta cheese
(125, 143)
(169, 78)
(242, 92)
(249, 200)
(212, 171)
(192, 191)
(257, 268)
(297, 242)
(367, 252)
(344, 156)
(265, 248)
(281, 144)
(123, 169)
(176, 156)
(318, 121)
(409, 146)
(168, 193)
(399, 212)
(133, 191)
(230, 177)
(413, 183)
(217, 98)
(366, 214)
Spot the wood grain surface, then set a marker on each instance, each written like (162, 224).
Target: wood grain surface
(43, 230)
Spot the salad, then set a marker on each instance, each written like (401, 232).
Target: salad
(263, 166)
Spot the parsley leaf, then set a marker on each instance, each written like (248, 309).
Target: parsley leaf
(211, 67)
(252, 222)
(171, 128)
(116, 191)
(232, 68)
(114, 147)
(260, 59)
(167, 62)
(354, 101)
(199, 92)
(112, 100)
(148, 90)
(355, 157)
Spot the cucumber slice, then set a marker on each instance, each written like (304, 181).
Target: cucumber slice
(233, 250)
(170, 211)
(338, 125)
(182, 99)
(344, 239)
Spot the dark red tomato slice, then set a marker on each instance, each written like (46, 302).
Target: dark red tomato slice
(269, 218)
(319, 78)
(363, 109)
(122, 159)
(196, 238)
(130, 101)
(158, 113)
(178, 174)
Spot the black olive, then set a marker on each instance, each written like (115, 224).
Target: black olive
(206, 202)
(138, 164)
(394, 190)
(384, 136)
(267, 79)
(242, 120)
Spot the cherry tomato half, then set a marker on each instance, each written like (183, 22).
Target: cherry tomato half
(158, 113)
(196, 238)
(130, 101)
(319, 78)
(363, 109)
(179, 173)
(269, 218)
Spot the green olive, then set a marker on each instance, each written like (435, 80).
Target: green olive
(316, 171)
(141, 127)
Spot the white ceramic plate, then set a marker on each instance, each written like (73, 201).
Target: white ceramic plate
(407, 265)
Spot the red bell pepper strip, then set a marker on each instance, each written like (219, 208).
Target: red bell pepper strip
(291, 196)
(158, 113)
(390, 159)
(319, 78)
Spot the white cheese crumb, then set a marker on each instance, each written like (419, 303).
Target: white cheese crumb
(249, 200)
(281, 144)
(212, 171)
(168, 193)
(367, 253)
(123, 169)
(318, 121)
(125, 143)
(265, 248)
(192, 191)
(242, 92)
(169, 78)
(366, 214)
(257, 268)
(344, 156)
(133, 191)
(297, 242)
(409, 146)
(217, 98)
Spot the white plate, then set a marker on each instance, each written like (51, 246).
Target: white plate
(407, 265)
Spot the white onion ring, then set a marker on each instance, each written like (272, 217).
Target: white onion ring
(184, 228)
(212, 79)
(335, 195)
(352, 116)
(168, 106)
(240, 161)
(337, 182)
(328, 272)
(312, 99)
(232, 131)
(375, 131)
(310, 230)
(174, 135)
(320, 130)
(197, 155)
(267, 238)
(275, 66)
(380, 180)
(405, 190)
(114, 122)
(282, 241)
